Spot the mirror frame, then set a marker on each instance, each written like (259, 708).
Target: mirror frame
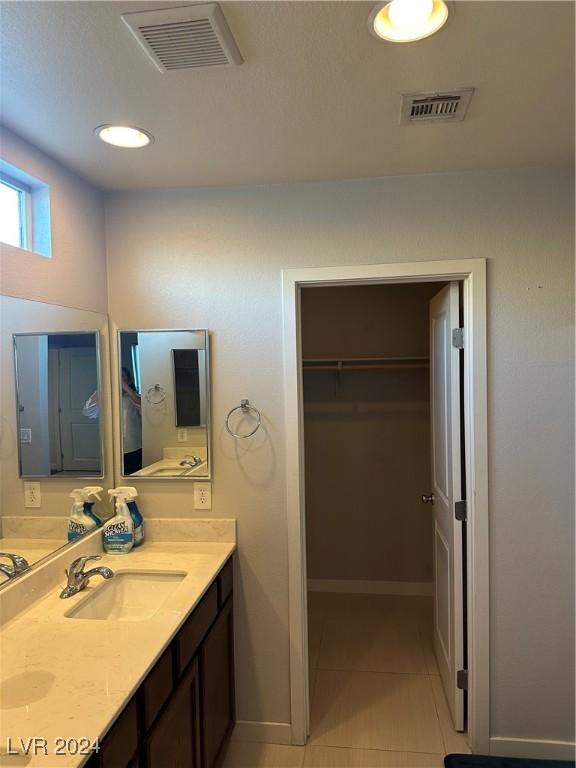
(102, 474)
(118, 398)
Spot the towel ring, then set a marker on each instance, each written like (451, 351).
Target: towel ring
(246, 408)
(156, 395)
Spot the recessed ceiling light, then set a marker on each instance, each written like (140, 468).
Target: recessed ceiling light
(402, 21)
(124, 136)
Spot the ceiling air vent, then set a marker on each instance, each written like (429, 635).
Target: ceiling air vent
(189, 37)
(425, 107)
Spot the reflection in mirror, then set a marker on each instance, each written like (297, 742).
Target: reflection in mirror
(164, 386)
(58, 404)
(58, 368)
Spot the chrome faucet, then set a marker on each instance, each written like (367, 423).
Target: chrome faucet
(190, 461)
(19, 565)
(78, 578)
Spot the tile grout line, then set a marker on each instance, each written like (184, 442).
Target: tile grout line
(373, 749)
(437, 714)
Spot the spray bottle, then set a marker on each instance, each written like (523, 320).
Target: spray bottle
(130, 494)
(92, 490)
(79, 523)
(118, 532)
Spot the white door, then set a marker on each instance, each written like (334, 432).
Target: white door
(447, 489)
(79, 435)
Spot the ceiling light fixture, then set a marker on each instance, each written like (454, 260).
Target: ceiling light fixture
(125, 136)
(402, 21)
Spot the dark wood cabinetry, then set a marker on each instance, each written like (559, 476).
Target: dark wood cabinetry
(175, 739)
(217, 681)
(183, 713)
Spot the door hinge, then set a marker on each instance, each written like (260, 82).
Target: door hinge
(462, 679)
(461, 511)
(458, 338)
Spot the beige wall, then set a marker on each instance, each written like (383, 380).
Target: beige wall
(75, 275)
(370, 427)
(212, 258)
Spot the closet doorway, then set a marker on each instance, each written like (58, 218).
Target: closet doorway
(385, 407)
(386, 618)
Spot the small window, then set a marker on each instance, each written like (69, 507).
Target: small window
(24, 211)
(14, 219)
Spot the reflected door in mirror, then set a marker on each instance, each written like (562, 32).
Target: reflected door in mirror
(58, 404)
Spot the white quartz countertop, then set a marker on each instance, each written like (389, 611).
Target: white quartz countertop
(69, 678)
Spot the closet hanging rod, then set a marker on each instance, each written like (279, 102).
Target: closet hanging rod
(361, 364)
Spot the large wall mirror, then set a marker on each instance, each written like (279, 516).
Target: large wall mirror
(55, 423)
(164, 404)
(58, 404)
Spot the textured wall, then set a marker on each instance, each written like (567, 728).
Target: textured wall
(212, 258)
(75, 275)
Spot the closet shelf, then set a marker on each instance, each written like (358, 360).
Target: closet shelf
(364, 363)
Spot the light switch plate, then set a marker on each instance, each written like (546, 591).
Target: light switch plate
(202, 496)
(25, 435)
(182, 435)
(32, 495)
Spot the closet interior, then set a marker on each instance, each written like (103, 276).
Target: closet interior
(374, 681)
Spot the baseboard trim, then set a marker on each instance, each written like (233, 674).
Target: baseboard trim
(262, 732)
(536, 749)
(423, 588)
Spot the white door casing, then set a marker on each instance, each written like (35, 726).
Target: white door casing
(446, 476)
(472, 273)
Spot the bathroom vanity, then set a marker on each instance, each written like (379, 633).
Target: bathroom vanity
(149, 679)
(183, 712)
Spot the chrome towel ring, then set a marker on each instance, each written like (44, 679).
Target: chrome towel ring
(246, 409)
(155, 395)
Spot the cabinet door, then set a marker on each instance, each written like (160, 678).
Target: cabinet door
(175, 740)
(217, 686)
(119, 747)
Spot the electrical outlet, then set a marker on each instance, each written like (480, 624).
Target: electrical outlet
(182, 435)
(202, 496)
(32, 495)
(25, 435)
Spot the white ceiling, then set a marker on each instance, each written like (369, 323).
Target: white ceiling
(317, 98)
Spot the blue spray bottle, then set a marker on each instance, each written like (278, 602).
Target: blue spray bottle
(92, 490)
(129, 494)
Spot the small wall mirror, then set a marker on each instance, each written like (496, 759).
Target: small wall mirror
(58, 405)
(165, 404)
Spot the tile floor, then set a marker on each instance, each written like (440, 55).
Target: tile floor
(376, 695)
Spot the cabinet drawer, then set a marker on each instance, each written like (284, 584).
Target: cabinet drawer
(119, 746)
(193, 631)
(225, 582)
(157, 687)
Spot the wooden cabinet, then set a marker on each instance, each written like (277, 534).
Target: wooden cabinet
(121, 744)
(183, 713)
(175, 739)
(217, 665)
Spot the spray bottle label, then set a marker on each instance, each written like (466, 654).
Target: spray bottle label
(118, 537)
(76, 530)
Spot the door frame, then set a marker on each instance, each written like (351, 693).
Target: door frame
(472, 273)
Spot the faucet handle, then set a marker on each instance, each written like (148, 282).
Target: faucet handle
(77, 565)
(20, 563)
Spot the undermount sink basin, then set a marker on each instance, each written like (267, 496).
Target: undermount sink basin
(128, 596)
